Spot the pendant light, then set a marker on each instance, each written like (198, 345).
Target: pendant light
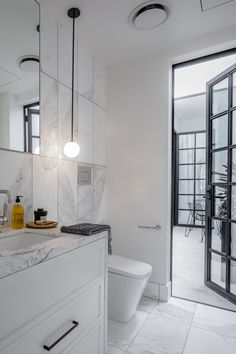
(72, 148)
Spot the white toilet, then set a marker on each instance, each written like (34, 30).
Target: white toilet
(127, 280)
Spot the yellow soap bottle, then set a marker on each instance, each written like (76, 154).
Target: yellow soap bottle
(17, 214)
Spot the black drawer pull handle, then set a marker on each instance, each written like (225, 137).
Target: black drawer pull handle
(49, 347)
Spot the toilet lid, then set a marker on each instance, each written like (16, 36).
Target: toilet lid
(128, 267)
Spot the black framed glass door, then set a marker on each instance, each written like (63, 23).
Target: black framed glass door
(220, 270)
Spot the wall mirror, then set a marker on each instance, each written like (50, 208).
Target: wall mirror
(19, 76)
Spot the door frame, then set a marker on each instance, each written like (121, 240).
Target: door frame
(209, 200)
(173, 160)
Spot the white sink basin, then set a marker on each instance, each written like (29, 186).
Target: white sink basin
(22, 241)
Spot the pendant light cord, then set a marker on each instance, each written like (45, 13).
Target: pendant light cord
(73, 68)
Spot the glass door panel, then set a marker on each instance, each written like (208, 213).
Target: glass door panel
(220, 271)
(233, 240)
(220, 97)
(219, 166)
(233, 203)
(218, 235)
(234, 128)
(233, 277)
(234, 89)
(220, 202)
(220, 132)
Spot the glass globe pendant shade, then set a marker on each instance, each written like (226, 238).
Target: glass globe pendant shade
(71, 149)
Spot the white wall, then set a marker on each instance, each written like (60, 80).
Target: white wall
(139, 133)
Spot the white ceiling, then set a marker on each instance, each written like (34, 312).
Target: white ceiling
(104, 26)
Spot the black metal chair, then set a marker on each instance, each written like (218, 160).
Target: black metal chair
(195, 214)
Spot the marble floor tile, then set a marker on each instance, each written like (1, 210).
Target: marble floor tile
(201, 341)
(121, 335)
(113, 350)
(147, 304)
(219, 321)
(175, 309)
(188, 270)
(160, 335)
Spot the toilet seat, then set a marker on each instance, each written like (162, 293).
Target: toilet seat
(128, 267)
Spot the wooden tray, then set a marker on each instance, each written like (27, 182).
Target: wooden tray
(32, 225)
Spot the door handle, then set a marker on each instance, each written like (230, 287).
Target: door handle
(208, 194)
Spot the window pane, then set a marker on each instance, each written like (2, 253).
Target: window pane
(220, 97)
(186, 187)
(184, 217)
(201, 140)
(233, 277)
(218, 235)
(219, 166)
(184, 201)
(186, 156)
(201, 171)
(200, 202)
(233, 240)
(200, 155)
(200, 186)
(220, 202)
(186, 141)
(218, 269)
(35, 146)
(220, 132)
(35, 124)
(186, 171)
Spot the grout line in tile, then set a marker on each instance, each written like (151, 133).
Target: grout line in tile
(139, 329)
(190, 326)
(211, 331)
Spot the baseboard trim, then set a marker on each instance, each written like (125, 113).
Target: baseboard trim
(158, 291)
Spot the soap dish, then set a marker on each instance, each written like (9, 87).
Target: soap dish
(44, 225)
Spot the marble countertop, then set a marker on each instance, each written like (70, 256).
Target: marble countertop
(15, 261)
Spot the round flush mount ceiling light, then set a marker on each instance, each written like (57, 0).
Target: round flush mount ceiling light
(150, 14)
(29, 63)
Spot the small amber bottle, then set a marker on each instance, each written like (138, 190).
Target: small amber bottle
(17, 214)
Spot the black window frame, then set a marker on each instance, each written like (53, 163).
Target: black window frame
(28, 136)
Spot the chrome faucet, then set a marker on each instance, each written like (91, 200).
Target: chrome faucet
(3, 218)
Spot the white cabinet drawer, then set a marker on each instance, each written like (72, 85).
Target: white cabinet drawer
(41, 288)
(92, 343)
(86, 309)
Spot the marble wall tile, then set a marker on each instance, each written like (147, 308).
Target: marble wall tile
(65, 52)
(67, 192)
(85, 130)
(99, 95)
(48, 116)
(85, 72)
(45, 185)
(48, 38)
(16, 176)
(99, 194)
(99, 135)
(64, 117)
